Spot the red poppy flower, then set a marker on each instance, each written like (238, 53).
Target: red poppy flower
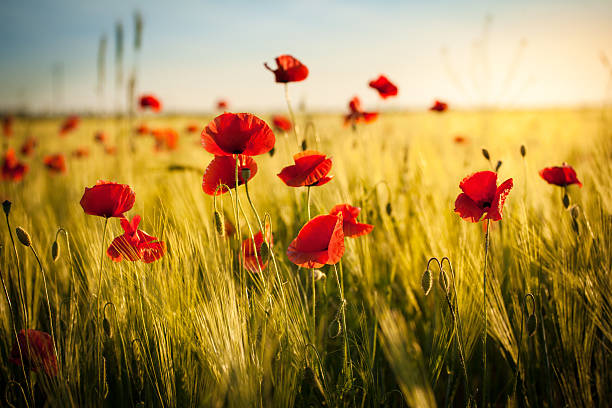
(310, 169)
(192, 128)
(150, 102)
(222, 170)
(55, 163)
(7, 126)
(288, 69)
(439, 106)
(165, 139)
(107, 199)
(100, 137)
(80, 152)
(357, 115)
(560, 176)
(384, 87)
(12, 169)
(37, 351)
(281, 123)
(350, 226)
(222, 104)
(237, 133)
(482, 195)
(319, 242)
(249, 257)
(135, 245)
(71, 123)
(28, 146)
(142, 129)
(460, 139)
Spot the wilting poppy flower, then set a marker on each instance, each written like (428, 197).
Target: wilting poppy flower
(319, 242)
(12, 169)
(252, 259)
(384, 87)
(560, 176)
(222, 104)
(460, 139)
(288, 69)
(150, 102)
(439, 106)
(350, 226)
(55, 163)
(107, 199)
(281, 123)
(357, 114)
(310, 169)
(80, 152)
(100, 137)
(28, 146)
(142, 129)
(482, 195)
(135, 245)
(7, 126)
(222, 170)
(192, 128)
(110, 150)
(37, 351)
(237, 133)
(69, 124)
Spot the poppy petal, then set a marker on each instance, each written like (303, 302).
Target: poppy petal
(495, 213)
(480, 186)
(467, 208)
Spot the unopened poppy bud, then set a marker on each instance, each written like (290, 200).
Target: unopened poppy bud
(485, 153)
(499, 164)
(566, 200)
(318, 275)
(575, 212)
(523, 150)
(388, 208)
(304, 145)
(219, 223)
(426, 282)
(264, 251)
(443, 281)
(107, 327)
(6, 206)
(55, 251)
(532, 324)
(271, 151)
(245, 172)
(23, 236)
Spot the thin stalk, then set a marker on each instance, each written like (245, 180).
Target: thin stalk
(294, 127)
(518, 358)
(484, 311)
(308, 202)
(346, 351)
(98, 348)
(21, 292)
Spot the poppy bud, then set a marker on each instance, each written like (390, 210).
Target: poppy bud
(443, 281)
(523, 150)
(532, 324)
(388, 208)
(264, 251)
(107, 327)
(55, 251)
(318, 275)
(245, 172)
(499, 164)
(219, 223)
(566, 200)
(485, 153)
(23, 236)
(426, 282)
(575, 212)
(6, 206)
(304, 145)
(271, 152)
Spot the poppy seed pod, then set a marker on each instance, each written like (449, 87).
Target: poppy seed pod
(245, 172)
(426, 282)
(23, 236)
(566, 200)
(443, 281)
(6, 206)
(485, 153)
(55, 251)
(523, 150)
(219, 223)
(575, 212)
(107, 327)
(532, 324)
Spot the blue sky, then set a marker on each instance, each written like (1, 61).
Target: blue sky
(530, 53)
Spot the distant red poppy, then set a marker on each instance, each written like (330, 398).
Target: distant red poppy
(357, 114)
(100, 137)
(37, 351)
(107, 199)
(350, 226)
(237, 133)
(460, 139)
(111, 150)
(71, 123)
(562, 176)
(319, 242)
(439, 106)
(165, 139)
(482, 195)
(192, 128)
(56, 163)
(222, 104)
(12, 169)
(310, 169)
(7, 126)
(281, 123)
(229, 228)
(222, 170)
(288, 69)
(143, 129)
(384, 87)
(135, 245)
(80, 152)
(249, 258)
(150, 102)
(28, 146)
